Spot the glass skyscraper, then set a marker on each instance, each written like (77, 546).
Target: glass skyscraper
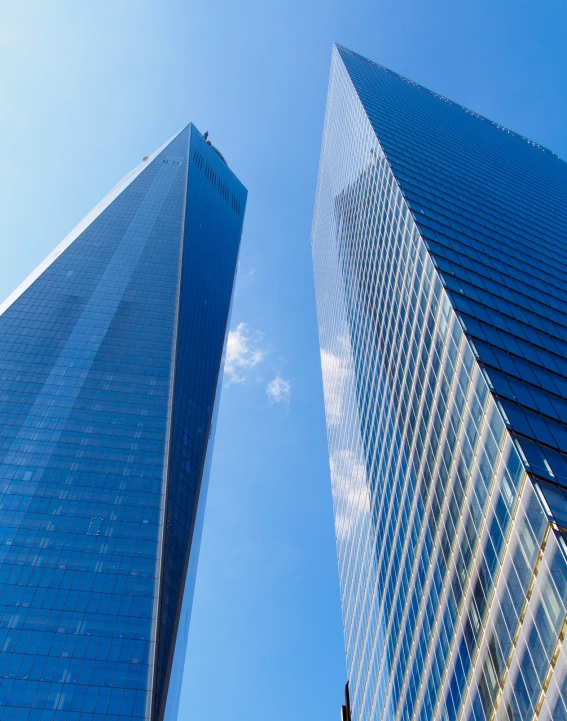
(440, 255)
(110, 358)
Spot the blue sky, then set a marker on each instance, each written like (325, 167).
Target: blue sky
(87, 90)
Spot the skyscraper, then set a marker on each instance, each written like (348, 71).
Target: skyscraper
(440, 254)
(110, 359)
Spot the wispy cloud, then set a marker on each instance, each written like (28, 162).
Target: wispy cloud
(279, 391)
(243, 352)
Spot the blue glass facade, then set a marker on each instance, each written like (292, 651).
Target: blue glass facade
(438, 241)
(110, 356)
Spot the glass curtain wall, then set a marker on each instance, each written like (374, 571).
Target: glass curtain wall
(452, 568)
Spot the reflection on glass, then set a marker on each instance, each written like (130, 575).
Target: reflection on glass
(429, 222)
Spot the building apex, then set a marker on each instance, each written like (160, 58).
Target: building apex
(345, 52)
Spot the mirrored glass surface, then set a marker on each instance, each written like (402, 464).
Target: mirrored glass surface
(430, 222)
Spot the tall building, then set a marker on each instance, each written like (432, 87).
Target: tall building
(110, 360)
(440, 254)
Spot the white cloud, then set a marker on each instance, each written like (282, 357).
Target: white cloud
(279, 391)
(243, 353)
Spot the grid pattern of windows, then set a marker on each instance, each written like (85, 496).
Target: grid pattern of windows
(452, 565)
(492, 210)
(94, 359)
